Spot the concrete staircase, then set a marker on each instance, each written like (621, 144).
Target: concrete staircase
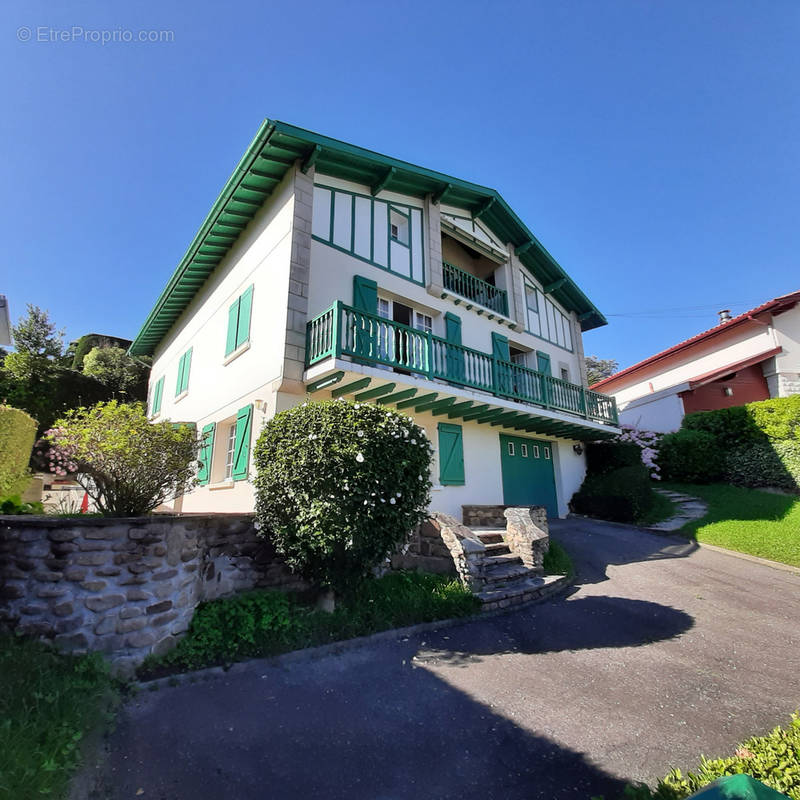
(508, 581)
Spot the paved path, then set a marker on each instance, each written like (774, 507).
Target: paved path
(687, 509)
(663, 652)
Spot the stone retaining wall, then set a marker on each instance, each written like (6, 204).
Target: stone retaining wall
(127, 587)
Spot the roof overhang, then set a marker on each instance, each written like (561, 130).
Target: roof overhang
(276, 147)
(710, 377)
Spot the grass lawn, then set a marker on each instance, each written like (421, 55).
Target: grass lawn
(48, 703)
(557, 560)
(748, 520)
(662, 509)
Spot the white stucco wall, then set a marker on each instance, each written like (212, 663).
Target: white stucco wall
(786, 365)
(663, 413)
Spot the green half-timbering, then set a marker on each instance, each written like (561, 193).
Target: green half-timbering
(278, 146)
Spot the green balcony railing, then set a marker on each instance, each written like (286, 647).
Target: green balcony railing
(472, 288)
(345, 331)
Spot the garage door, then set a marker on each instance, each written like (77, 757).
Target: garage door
(528, 474)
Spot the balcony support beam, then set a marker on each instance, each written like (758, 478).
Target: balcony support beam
(375, 391)
(348, 388)
(413, 402)
(324, 383)
(397, 397)
(456, 410)
(434, 405)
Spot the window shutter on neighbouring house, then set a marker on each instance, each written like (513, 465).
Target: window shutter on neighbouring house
(241, 453)
(451, 455)
(206, 453)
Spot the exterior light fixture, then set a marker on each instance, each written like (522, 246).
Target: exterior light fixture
(728, 391)
(578, 449)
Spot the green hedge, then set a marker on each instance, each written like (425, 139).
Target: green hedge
(605, 457)
(17, 435)
(691, 456)
(623, 495)
(765, 464)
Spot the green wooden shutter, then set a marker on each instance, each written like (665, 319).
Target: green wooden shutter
(451, 455)
(184, 365)
(365, 298)
(233, 323)
(365, 294)
(179, 382)
(502, 373)
(543, 363)
(455, 356)
(243, 326)
(158, 391)
(241, 452)
(206, 453)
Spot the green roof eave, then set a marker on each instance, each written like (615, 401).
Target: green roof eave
(277, 146)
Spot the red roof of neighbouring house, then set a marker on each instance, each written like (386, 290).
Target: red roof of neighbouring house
(774, 306)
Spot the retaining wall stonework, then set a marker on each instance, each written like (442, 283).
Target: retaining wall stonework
(126, 587)
(494, 516)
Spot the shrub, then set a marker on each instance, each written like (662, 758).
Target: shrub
(731, 427)
(690, 456)
(17, 434)
(338, 485)
(623, 495)
(127, 464)
(778, 418)
(765, 464)
(605, 457)
(14, 505)
(773, 759)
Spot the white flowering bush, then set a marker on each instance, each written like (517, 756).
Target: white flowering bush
(339, 485)
(127, 464)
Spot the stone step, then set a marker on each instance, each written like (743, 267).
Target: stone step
(496, 560)
(496, 548)
(511, 588)
(520, 591)
(489, 535)
(505, 572)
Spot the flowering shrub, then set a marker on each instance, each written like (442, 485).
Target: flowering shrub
(339, 485)
(127, 464)
(648, 443)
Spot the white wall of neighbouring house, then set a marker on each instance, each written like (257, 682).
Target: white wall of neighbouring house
(663, 413)
(784, 377)
(731, 347)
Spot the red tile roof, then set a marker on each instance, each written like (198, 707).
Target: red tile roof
(774, 306)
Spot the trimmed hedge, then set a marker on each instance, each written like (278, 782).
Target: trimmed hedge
(691, 456)
(765, 464)
(622, 495)
(605, 457)
(17, 435)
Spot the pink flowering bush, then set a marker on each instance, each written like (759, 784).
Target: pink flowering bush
(648, 443)
(127, 464)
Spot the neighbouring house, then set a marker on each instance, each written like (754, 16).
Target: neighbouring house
(753, 356)
(325, 270)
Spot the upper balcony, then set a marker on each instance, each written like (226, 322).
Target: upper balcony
(369, 339)
(474, 290)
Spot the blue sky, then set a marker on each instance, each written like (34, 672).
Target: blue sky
(651, 145)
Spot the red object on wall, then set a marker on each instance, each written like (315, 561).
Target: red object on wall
(748, 385)
(85, 503)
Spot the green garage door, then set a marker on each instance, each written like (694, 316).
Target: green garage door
(528, 475)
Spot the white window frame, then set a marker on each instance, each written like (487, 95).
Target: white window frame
(230, 452)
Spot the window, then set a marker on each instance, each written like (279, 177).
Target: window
(536, 451)
(184, 365)
(564, 374)
(524, 450)
(422, 322)
(158, 393)
(532, 305)
(451, 455)
(544, 319)
(398, 226)
(511, 450)
(230, 452)
(547, 452)
(239, 322)
(206, 454)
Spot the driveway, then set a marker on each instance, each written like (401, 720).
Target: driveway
(663, 652)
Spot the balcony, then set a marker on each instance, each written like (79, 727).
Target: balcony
(369, 339)
(473, 289)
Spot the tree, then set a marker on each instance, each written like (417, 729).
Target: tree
(37, 345)
(127, 464)
(339, 485)
(599, 368)
(124, 375)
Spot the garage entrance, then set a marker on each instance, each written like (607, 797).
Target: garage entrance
(528, 474)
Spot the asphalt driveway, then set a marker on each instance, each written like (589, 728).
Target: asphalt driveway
(664, 651)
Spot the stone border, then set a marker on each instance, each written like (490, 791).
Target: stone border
(558, 587)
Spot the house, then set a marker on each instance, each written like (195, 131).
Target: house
(325, 270)
(753, 356)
